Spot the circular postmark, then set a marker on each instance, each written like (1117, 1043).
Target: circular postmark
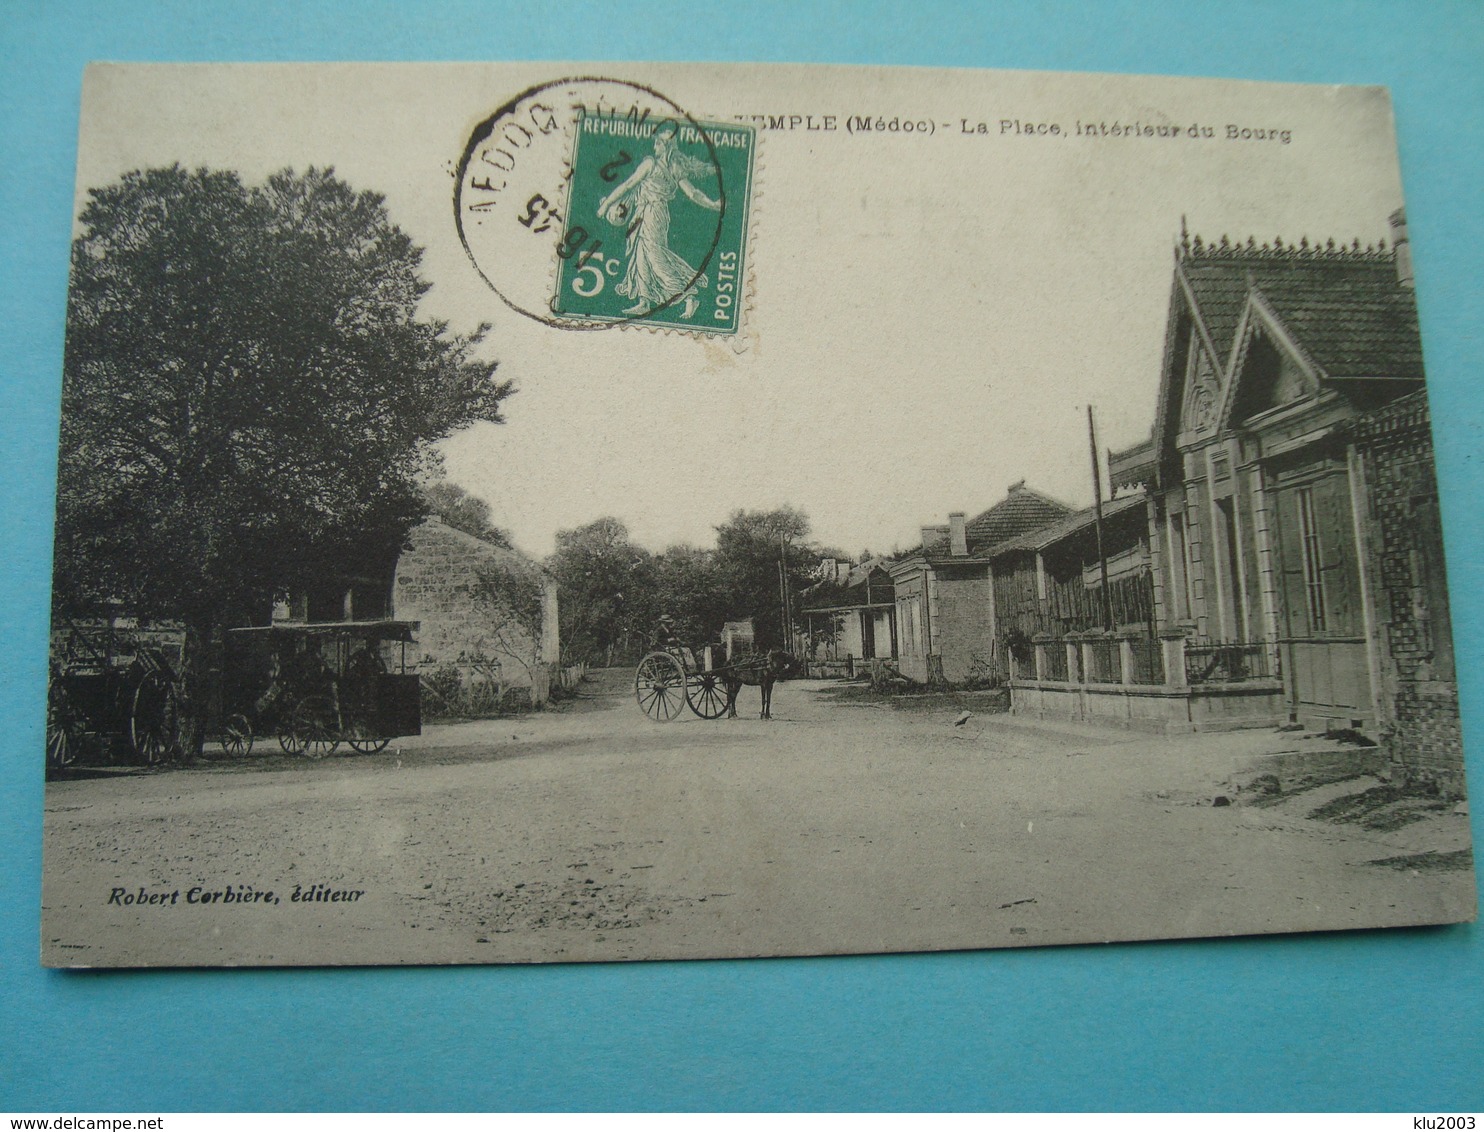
(564, 197)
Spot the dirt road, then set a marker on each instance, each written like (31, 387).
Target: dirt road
(842, 825)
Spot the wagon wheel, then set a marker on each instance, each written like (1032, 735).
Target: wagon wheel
(315, 727)
(63, 730)
(364, 738)
(288, 739)
(154, 720)
(659, 686)
(707, 694)
(237, 735)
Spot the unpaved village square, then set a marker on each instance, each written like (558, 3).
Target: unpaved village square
(846, 823)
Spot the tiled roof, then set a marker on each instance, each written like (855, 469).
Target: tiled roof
(1134, 464)
(1024, 509)
(862, 571)
(1350, 330)
(1345, 306)
(852, 591)
(1054, 532)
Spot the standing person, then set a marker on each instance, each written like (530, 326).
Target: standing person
(656, 276)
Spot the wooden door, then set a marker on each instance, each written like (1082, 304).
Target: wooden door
(1323, 643)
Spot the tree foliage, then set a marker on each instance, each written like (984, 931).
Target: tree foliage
(614, 591)
(605, 583)
(249, 396)
(464, 512)
(690, 587)
(750, 546)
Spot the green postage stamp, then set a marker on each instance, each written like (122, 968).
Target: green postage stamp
(656, 223)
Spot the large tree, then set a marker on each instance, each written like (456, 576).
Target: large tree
(249, 395)
(750, 548)
(606, 587)
(690, 587)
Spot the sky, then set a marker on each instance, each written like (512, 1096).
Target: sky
(929, 313)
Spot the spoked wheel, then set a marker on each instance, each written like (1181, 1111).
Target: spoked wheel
(659, 686)
(153, 720)
(63, 733)
(316, 727)
(364, 739)
(237, 735)
(707, 693)
(288, 738)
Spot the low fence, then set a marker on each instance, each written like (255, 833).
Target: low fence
(1168, 681)
(1227, 662)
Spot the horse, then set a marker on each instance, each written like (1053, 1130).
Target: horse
(760, 671)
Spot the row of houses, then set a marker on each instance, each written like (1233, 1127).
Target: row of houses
(1271, 554)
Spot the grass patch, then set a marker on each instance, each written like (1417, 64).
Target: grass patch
(1297, 772)
(1381, 808)
(1430, 862)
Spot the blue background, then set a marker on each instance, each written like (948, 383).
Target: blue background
(1378, 1020)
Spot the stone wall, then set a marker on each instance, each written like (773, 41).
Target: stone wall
(1407, 578)
(436, 584)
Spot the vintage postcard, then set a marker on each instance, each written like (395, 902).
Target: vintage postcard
(551, 512)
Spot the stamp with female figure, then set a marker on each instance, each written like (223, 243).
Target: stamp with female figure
(656, 223)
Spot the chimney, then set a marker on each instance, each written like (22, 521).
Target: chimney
(958, 540)
(929, 536)
(1401, 248)
(1018, 485)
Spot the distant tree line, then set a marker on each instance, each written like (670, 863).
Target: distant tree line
(613, 591)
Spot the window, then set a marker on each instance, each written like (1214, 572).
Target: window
(1180, 566)
(1312, 559)
(1234, 607)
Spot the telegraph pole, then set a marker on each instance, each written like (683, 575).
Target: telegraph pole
(1097, 504)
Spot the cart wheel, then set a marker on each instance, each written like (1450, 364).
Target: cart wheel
(315, 728)
(153, 720)
(237, 735)
(288, 740)
(63, 735)
(659, 686)
(364, 739)
(707, 694)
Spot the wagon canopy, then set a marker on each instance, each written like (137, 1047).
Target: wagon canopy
(384, 630)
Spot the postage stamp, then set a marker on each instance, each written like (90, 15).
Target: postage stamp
(656, 223)
(589, 202)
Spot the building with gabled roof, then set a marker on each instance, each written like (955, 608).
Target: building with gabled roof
(1049, 580)
(1272, 431)
(943, 591)
(849, 615)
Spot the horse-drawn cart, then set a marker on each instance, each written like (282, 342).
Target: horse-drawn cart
(670, 679)
(316, 685)
(113, 689)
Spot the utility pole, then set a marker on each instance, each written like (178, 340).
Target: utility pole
(1097, 504)
(783, 601)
